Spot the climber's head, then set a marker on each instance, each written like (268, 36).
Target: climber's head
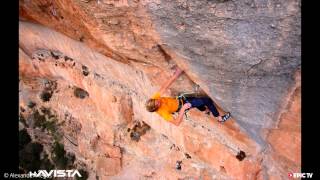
(153, 104)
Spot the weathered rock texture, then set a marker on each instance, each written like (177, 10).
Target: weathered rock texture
(243, 53)
(107, 57)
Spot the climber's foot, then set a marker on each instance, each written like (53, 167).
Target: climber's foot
(225, 117)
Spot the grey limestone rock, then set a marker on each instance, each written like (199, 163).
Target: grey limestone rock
(244, 52)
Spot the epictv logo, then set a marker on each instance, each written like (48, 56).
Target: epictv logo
(300, 175)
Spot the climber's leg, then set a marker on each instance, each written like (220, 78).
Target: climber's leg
(196, 103)
(201, 102)
(209, 103)
(201, 108)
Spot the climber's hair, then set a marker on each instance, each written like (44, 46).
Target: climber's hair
(151, 105)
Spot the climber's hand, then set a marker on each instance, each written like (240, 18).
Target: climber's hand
(187, 106)
(181, 113)
(178, 71)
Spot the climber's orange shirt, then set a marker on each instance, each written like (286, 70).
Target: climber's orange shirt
(168, 106)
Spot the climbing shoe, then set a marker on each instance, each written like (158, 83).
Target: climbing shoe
(225, 117)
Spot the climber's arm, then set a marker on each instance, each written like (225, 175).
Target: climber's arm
(170, 81)
(178, 120)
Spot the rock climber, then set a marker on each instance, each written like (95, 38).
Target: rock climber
(166, 106)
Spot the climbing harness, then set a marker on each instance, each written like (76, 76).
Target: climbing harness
(182, 98)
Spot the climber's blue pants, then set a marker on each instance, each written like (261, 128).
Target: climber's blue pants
(202, 102)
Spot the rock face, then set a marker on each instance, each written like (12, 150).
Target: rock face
(243, 53)
(94, 63)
